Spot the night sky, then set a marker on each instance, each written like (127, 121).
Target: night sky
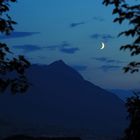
(72, 30)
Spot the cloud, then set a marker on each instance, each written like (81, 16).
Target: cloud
(65, 44)
(104, 37)
(107, 60)
(80, 67)
(95, 36)
(18, 35)
(52, 47)
(107, 36)
(107, 68)
(64, 47)
(98, 19)
(76, 24)
(27, 48)
(69, 50)
(58, 46)
(102, 59)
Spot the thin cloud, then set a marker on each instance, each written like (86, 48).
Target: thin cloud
(65, 44)
(69, 50)
(18, 35)
(107, 36)
(104, 37)
(58, 46)
(95, 36)
(101, 59)
(107, 60)
(27, 48)
(108, 68)
(52, 47)
(75, 24)
(98, 19)
(64, 47)
(72, 25)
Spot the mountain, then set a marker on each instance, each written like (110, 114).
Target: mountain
(61, 102)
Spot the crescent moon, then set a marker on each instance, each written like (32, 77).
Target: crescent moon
(103, 46)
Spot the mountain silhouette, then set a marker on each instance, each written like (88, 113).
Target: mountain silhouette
(61, 102)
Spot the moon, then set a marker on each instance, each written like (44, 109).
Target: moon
(103, 46)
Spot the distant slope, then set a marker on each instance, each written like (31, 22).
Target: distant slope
(61, 102)
(122, 93)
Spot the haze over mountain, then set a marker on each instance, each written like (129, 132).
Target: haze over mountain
(61, 102)
(122, 93)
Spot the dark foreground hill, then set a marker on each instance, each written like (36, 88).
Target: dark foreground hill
(24, 137)
(61, 103)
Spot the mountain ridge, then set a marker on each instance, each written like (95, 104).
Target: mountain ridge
(60, 98)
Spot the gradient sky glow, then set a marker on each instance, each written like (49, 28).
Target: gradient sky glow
(72, 30)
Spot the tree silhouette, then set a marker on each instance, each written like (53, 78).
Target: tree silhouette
(12, 68)
(133, 108)
(130, 13)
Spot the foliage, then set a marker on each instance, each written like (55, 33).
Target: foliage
(12, 69)
(133, 108)
(130, 13)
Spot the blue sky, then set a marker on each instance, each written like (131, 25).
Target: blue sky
(72, 30)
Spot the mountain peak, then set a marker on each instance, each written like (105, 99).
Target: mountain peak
(58, 62)
(59, 68)
(60, 100)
